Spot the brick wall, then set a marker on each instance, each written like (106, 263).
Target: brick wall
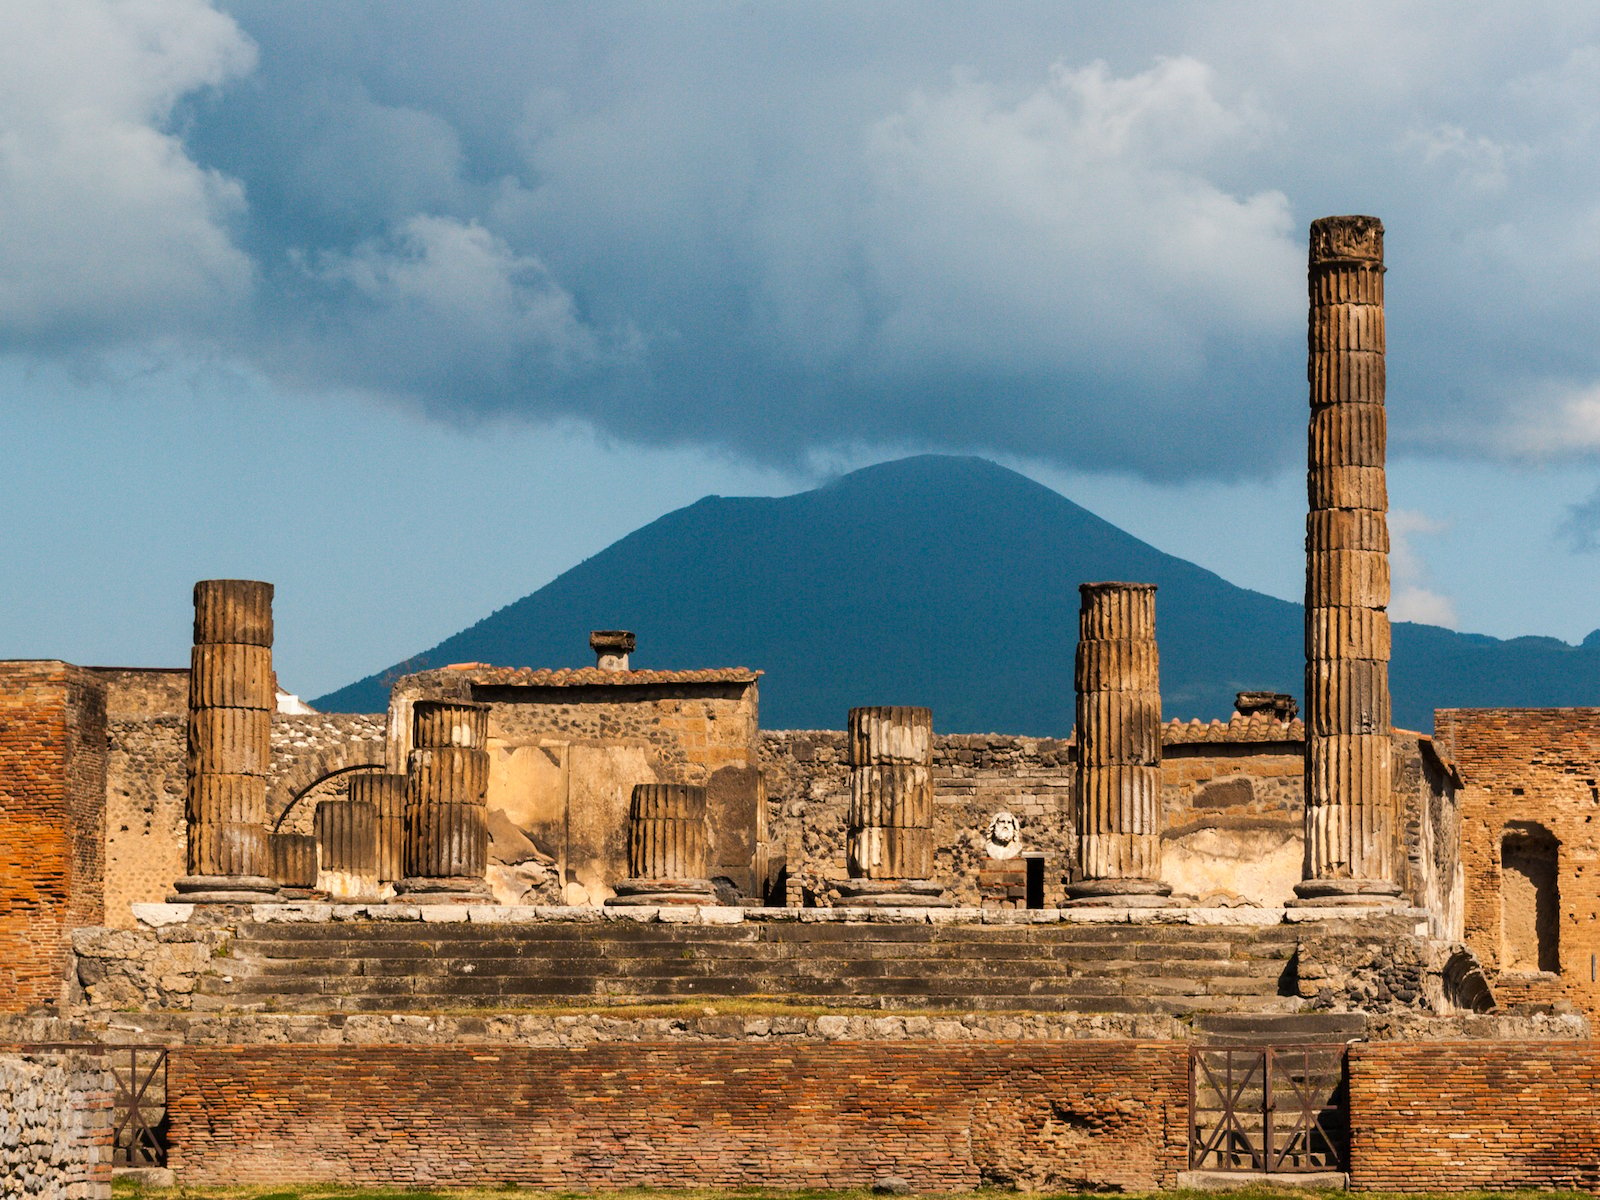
(1524, 767)
(944, 1117)
(1453, 1116)
(52, 823)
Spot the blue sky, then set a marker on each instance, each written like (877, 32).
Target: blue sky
(409, 307)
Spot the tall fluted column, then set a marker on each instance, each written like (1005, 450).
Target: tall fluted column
(667, 847)
(1118, 682)
(446, 825)
(1350, 821)
(889, 844)
(231, 699)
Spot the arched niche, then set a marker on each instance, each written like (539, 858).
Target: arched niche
(1530, 899)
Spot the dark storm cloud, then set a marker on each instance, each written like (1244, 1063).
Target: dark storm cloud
(1053, 231)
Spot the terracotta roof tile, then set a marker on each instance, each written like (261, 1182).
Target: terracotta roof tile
(1258, 727)
(595, 677)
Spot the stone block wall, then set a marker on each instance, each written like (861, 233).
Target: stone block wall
(1459, 1116)
(55, 1125)
(145, 831)
(1530, 772)
(1102, 1115)
(564, 760)
(1233, 811)
(1234, 816)
(975, 776)
(52, 823)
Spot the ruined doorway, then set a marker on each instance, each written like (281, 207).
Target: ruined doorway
(1530, 901)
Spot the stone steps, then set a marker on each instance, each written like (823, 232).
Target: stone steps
(412, 966)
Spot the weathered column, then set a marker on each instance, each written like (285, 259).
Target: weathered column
(446, 826)
(667, 847)
(387, 795)
(1350, 823)
(231, 699)
(1118, 806)
(890, 840)
(347, 849)
(292, 861)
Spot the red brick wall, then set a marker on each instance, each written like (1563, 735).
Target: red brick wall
(52, 823)
(1540, 765)
(839, 1114)
(1451, 1116)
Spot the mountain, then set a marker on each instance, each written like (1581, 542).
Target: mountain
(949, 582)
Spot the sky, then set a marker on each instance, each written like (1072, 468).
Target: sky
(408, 307)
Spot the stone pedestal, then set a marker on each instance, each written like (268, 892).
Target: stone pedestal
(446, 829)
(889, 846)
(1003, 882)
(667, 839)
(231, 700)
(1351, 833)
(1118, 804)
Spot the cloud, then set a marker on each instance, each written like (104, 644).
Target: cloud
(108, 229)
(441, 307)
(1073, 229)
(1580, 526)
(1072, 234)
(1412, 599)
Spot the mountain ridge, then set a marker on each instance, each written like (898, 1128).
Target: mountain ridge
(949, 582)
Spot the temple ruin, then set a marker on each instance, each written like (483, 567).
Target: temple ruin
(526, 891)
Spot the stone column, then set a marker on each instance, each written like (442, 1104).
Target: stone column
(231, 700)
(1118, 806)
(446, 826)
(387, 795)
(347, 849)
(667, 847)
(1350, 822)
(890, 840)
(292, 860)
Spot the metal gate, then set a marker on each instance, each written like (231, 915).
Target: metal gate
(139, 1109)
(1274, 1109)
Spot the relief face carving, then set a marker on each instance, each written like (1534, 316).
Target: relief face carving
(1004, 836)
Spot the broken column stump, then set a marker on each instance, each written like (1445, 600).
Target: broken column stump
(889, 845)
(231, 701)
(1351, 827)
(667, 847)
(292, 861)
(347, 849)
(446, 827)
(1118, 802)
(387, 795)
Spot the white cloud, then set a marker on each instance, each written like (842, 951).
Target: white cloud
(108, 228)
(1412, 599)
(1552, 421)
(442, 307)
(1077, 225)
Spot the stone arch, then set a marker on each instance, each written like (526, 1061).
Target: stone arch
(307, 773)
(1530, 899)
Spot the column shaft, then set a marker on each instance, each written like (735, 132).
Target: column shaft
(231, 700)
(1350, 825)
(1117, 678)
